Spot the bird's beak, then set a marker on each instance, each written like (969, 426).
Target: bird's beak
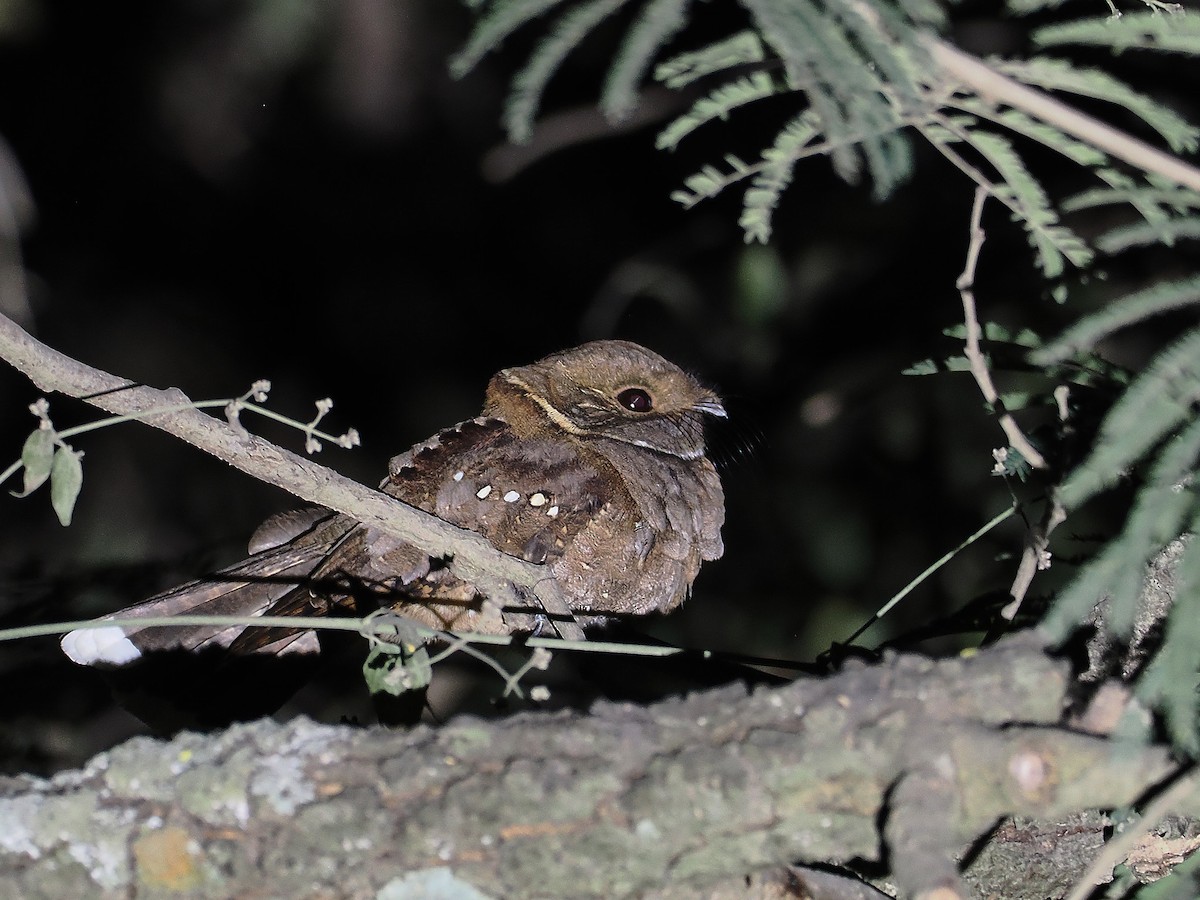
(712, 406)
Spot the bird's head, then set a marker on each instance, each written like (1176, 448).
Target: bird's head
(607, 389)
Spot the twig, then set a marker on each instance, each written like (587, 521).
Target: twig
(364, 626)
(979, 369)
(1035, 556)
(497, 575)
(929, 570)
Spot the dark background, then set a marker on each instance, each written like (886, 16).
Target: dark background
(299, 191)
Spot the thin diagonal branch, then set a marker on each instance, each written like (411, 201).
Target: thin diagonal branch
(997, 87)
(472, 557)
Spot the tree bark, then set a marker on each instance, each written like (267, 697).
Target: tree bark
(690, 797)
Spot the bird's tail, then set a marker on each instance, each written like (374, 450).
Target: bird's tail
(248, 588)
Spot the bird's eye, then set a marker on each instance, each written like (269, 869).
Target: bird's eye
(635, 400)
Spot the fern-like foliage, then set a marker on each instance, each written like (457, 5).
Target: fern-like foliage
(1018, 122)
(741, 49)
(1166, 232)
(857, 65)
(1151, 438)
(503, 18)
(1162, 509)
(1161, 204)
(775, 174)
(710, 181)
(861, 74)
(850, 68)
(1152, 426)
(1053, 241)
(1122, 313)
(659, 21)
(1141, 31)
(1161, 196)
(1157, 403)
(718, 104)
(1007, 352)
(530, 83)
(1054, 244)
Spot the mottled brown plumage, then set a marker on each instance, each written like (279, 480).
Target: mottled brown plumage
(590, 461)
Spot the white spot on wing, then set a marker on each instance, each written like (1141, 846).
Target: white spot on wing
(458, 476)
(552, 511)
(512, 497)
(538, 499)
(104, 646)
(483, 492)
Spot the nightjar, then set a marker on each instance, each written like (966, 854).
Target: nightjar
(590, 461)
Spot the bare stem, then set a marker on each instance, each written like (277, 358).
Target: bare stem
(979, 368)
(1035, 557)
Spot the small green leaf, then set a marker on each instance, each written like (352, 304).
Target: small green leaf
(924, 367)
(397, 668)
(930, 367)
(66, 479)
(742, 49)
(1015, 400)
(1027, 337)
(36, 456)
(717, 104)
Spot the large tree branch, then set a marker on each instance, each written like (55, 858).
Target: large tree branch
(472, 557)
(673, 800)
